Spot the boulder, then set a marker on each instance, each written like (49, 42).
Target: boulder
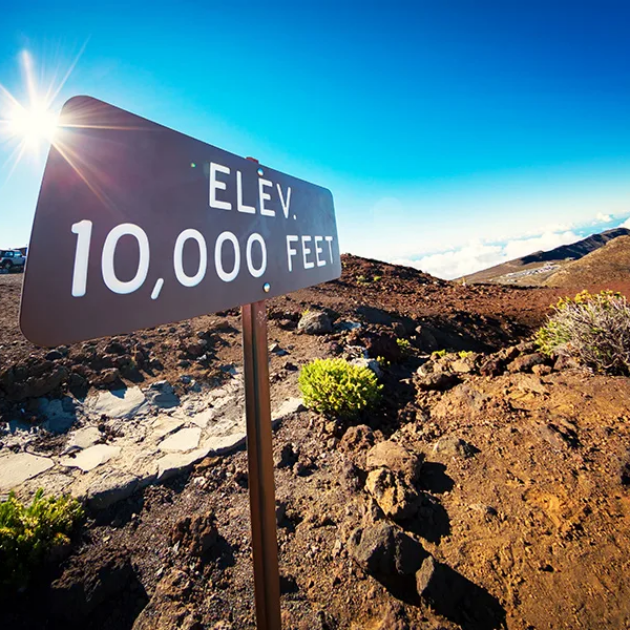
(357, 438)
(195, 534)
(426, 578)
(464, 365)
(439, 381)
(394, 496)
(526, 362)
(397, 458)
(385, 550)
(493, 366)
(315, 323)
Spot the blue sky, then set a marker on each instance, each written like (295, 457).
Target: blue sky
(453, 135)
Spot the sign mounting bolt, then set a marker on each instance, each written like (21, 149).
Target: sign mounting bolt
(260, 172)
(266, 287)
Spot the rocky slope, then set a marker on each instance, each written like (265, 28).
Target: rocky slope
(610, 264)
(488, 489)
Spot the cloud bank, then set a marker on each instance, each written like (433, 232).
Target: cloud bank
(478, 255)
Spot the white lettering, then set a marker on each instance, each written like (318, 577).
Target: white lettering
(306, 251)
(264, 196)
(83, 230)
(318, 251)
(218, 257)
(215, 185)
(240, 206)
(107, 259)
(178, 258)
(256, 238)
(283, 203)
(329, 239)
(290, 251)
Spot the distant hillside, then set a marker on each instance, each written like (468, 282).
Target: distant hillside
(537, 268)
(610, 263)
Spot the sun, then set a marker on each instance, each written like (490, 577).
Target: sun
(33, 125)
(29, 123)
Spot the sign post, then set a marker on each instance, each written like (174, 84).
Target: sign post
(138, 225)
(260, 462)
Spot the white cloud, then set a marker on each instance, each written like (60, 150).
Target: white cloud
(603, 218)
(625, 224)
(477, 255)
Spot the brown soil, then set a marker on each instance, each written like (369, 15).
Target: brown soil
(530, 527)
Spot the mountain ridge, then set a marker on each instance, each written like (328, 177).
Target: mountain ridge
(536, 268)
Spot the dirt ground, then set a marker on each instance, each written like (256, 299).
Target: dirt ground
(523, 489)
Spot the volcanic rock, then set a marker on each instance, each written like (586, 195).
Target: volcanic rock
(394, 496)
(397, 458)
(383, 549)
(315, 323)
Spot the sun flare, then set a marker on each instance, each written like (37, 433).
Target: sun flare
(34, 124)
(29, 123)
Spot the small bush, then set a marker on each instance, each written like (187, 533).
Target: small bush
(362, 280)
(376, 278)
(595, 329)
(438, 354)
(335, 387)
(29, 533)
(404, 345)
(464, 354)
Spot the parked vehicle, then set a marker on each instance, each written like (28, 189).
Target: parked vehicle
(11, 260)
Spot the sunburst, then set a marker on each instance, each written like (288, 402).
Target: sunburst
(30, 126)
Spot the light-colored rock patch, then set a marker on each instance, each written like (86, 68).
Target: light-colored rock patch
(16, 468)
(120, 403)
(84, 438)
(91, 457)
(182, 441)
(165, 425)
(174, 463)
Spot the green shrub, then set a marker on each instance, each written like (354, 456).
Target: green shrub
(464, 354)
(376, 278)
(29, 533)
(594, 329)
(438, 354)
(404, 345)
(362, 280)
(335, 387)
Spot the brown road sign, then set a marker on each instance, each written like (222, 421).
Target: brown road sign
(138, 225)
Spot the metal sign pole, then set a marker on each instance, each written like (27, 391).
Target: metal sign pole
(260, 462)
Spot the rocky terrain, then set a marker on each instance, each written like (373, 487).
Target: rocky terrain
(489, 488)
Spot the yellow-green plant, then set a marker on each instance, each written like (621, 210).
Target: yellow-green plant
(464, 354)
(376, 278)
(337, 388)
(29, 533)
(595, 329)
(438, 354)
(404, 345)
